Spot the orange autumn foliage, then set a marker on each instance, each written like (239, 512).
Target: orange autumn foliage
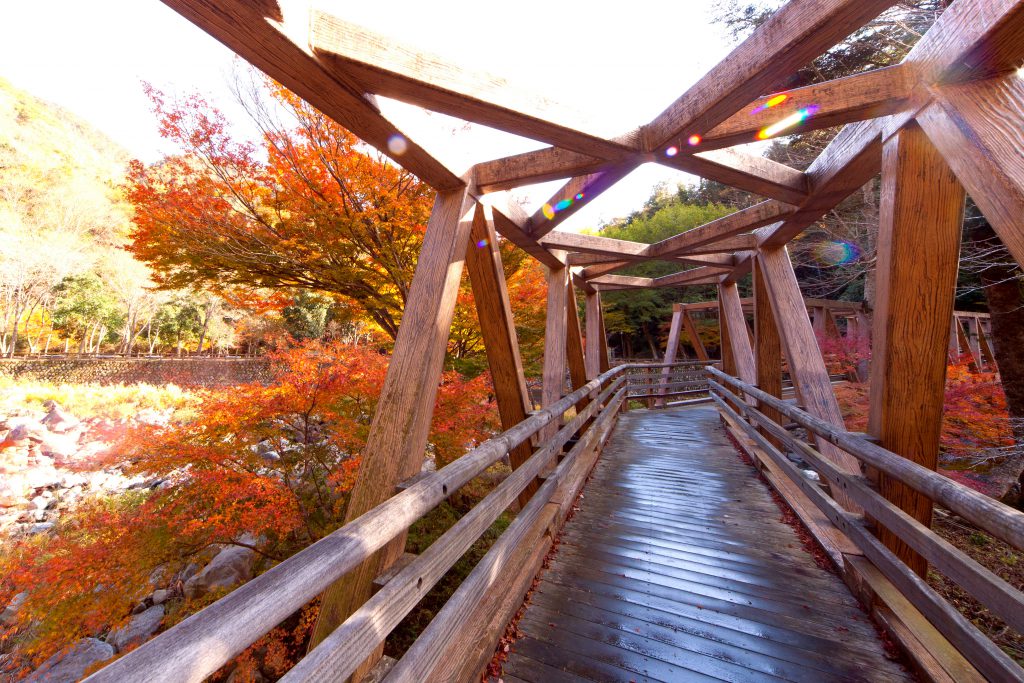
(264, 466)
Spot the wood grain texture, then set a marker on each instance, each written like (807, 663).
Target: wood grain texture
(862, 96)
(592, 244)
(574, 342)
(742, 353)
(671, 349)
(701, 275)
(921, 216)
(717, 230)
(744, 171)
(767, 346)
(490, 294)
(579, 191)
(398, 434)
(594, 332)
(510, 221)
(806, 367)
(555, 330)
(694, 336)
(789, 40)
(243, 28)
(979, 129)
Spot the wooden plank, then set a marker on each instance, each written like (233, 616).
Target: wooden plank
(577, 193)
(603, 356)
(986, 349)
(555, 330)
(767, 346)
(920, 221)
(744, 220)
(542, 165)
(510, 225)
(789, 40)
(671, 348)
(695, 340)
(730, 244)
(609, 282)
(742, 353)
(756, 174)
(390, 68)
(592, 356)
(592, 244)
(398, 434)
(862, 96)
(965, 344)
(979, 129)
(490, 293)
(699, 275)
(264, 40)
(725, 343)
(806, 367)
(574, 343)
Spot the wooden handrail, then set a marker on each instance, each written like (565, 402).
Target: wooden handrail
(998, 519)
(989, 589)
(199, 645)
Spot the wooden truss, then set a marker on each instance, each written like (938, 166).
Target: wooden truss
(949, 118)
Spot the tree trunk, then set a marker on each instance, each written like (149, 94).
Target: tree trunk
(202, 335)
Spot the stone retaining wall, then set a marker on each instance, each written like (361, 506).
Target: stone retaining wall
(184, 372)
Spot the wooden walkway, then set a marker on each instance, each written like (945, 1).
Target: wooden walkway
(677, 567)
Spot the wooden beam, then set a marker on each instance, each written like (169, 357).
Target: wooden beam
(965, 344)
(845, 100)
(390, 68)
(742, 221)
(979, 129)
(263, 39)
(574, 344)
(742, 353)
(699, 275)
(604, 357)
(397, 438)
(509, 220)
(555, 330)
(671, 348)
(789, 40)
(576, 194)
(543, 165)
(806, 366)
(725, 341)
(609, 282)
(490, 293)
(745, 171)
(985, 349)
(725, 261)
(733, 244)
(592, 356)
(592, 244)
(920, 221)
(692, 333)
(767, 349)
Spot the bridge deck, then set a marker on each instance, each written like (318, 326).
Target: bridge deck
(677, 567)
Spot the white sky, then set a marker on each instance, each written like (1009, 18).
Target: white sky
(619, 68)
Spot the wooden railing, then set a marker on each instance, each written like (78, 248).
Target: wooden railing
(656, 383)
(987, 514)
(201, 644)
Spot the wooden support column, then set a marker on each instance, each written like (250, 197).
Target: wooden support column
(831, 328)
(974, 339)
(602, 356)
(986, 349)
(819, 321)
(397, 439)
(574, 343)
(595, 331)
(671, 349)
(487, 278)
(922, 210)
(806, 366)
(954, 341)
(767, 348)
(965, 343)
(742, 353)
(691, 332)
(555, 340)
(728, 364)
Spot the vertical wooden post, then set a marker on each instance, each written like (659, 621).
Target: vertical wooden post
(922, 208)
(965, 344)
(831, 328)
(487, 278)
(819, 321)
(725, 335)
(592, 357)
(986, 348)
(742, 354)
(554, 341)
(691, 332)
(574, 343)
(670, 350)
(954, 341)
(806, 366)
(767, 349)
(974, 338)
(397, 439)
(602, 356)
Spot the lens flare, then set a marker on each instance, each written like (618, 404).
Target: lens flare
(397, 144)
(788, 122)
(694, 140)
(672, 151)
(771, 102)
(548, 212)
(836, 253)
(563, 205)
(579, 197)
(482, 243)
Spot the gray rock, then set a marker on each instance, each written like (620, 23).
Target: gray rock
(160, 596)
(231, 565)
(58, 419)
(40, 528)
(11, 611)
(70, 666)
(138, 630)
(43, 502)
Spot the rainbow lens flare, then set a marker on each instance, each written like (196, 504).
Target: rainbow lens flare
(550, 211)
(793, 119)
(563, 205)
(771, 102)
(694, 140)
(579, 197)
(836, 253)
(672, 151)
(482, 243)
(397, 144)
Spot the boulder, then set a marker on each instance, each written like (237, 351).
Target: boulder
(57, 419)
(230, 566)
(138, 629)
(11, 611)
(70, 666)
(160, 596)
(40, 528)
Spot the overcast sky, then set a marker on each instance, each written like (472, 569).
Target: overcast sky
(618, 68)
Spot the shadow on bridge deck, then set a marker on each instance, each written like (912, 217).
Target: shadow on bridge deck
(677, 567)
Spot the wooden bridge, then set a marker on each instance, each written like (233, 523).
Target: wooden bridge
(675, 565)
